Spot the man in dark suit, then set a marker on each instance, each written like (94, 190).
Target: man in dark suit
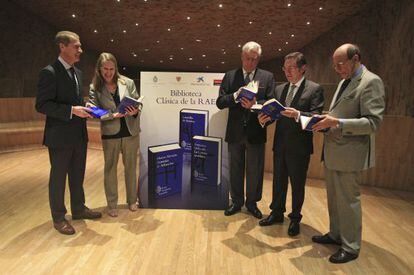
(60, 98)
(246, 138)
(292, 146)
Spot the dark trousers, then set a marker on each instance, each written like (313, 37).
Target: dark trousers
(287, 165)
(70, 162)
(248, 157)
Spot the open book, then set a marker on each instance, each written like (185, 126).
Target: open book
(271, 108)
(129, 101)
(308, 121)
(249, 91)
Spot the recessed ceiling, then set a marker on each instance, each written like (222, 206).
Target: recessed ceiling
(192, 35)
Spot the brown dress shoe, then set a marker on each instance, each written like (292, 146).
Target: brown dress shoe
(87, 214)
(64, 227)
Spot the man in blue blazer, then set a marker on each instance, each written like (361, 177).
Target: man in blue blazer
(60, 98)
(244, 135)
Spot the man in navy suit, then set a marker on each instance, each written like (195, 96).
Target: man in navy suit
(244, 135)
(292, 146)
(60, 98)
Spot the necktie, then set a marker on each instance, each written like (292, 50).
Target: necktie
(342, 89)
(74, 80)
(247, 79)
(289, 96)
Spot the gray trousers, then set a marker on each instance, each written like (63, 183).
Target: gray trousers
(344, 205)
(248, 157)
(128, 146)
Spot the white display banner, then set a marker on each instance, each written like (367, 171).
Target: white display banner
(166, 94)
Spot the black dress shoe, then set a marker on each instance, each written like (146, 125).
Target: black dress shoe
(233, 209)
(324, 239)
(87, 214)
(294, 228)
(272, 219)
(255, 212)
(341, 257)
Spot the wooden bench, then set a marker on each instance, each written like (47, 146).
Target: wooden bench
(21, 126)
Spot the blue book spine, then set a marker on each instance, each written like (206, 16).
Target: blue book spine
(192, 124)
(206, 162)
(165, 170)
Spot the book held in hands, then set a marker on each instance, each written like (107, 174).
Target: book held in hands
(99, 113)
(206, 160)
(249, 91)
(308, 121)
(128, 101)
(271, 108)
(165, 169)
(193, 122)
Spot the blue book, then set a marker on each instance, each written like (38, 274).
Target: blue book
(192, 123)
(128, 101)
(165, 170)
(308, 121)
(249, 91)
(99, 113)
(206, 160)
(271, 108)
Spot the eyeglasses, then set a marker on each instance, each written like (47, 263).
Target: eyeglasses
(290, 68)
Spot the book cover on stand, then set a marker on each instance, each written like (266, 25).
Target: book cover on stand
(308, 121)
(249, 91)
(128, 101)
(165, 169)
(206, 160)
(193, 122)
(271, 108)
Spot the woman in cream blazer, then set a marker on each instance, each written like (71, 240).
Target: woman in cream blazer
(119, 131)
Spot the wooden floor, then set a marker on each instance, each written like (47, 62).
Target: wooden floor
(185, 241)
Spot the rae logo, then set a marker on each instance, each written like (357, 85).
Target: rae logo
(200, 79)
(178, 78)
(217, 82)
(155, 79)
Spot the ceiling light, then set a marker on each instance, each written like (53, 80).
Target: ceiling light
(292, 35)
(158, 41)
(161, 61)
(222, 62)
(308, 23)
(224, 52)
(250, 22)
(118, 1)
(123, 68)
(124, 31)
(286, 42)
(112, 40)
(171, 58)
(203, 55)
(270, 33)
(190, 58)
(136, 24)
(207, 67)
(169, 29)
(74, 15)
(146, 50)
(289, 5)
(188, 17)
(181, 48)
(279, 49)
(198, 40)
(95, 31)
(239, 46)
(320, 8)
(220, 6)
(218, 25)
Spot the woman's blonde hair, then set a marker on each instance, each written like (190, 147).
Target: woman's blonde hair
(97, 81)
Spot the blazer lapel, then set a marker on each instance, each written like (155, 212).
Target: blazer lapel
(351, 86)
(121, 90)
(298, 93)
